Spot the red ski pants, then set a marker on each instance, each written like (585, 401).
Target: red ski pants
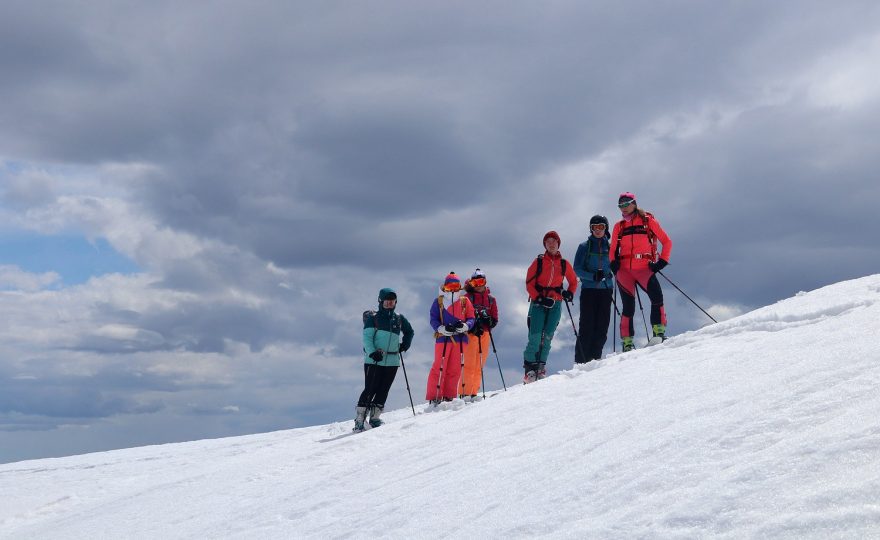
(446, 371)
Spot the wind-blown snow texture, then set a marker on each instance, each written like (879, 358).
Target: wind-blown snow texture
(767, 425)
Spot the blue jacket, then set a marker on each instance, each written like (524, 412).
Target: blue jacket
(592, 256)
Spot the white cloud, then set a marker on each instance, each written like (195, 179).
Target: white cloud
(13, 277)
(845, 78)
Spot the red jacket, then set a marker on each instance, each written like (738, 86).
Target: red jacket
(484, 301)
(550, 278)
(631, 242)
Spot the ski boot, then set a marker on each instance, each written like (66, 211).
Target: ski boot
(375, 412)
(541, 372)
(531, 374)
(659, 331)
(359, 419)
(627, 344)
(659, 334)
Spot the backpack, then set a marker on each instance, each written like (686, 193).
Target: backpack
(540, 259)
(623, 230)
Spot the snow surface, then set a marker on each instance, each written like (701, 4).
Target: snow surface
(766, 425)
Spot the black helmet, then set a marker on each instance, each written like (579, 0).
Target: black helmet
(600, 219)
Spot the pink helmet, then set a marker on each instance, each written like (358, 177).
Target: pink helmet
(627, 195)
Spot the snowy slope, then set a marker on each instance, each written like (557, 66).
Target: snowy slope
(767, 425)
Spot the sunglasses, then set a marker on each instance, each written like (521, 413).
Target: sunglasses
(478, 282)
(624, 204)
(597, 227)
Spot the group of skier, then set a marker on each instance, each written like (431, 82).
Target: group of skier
(463, 316)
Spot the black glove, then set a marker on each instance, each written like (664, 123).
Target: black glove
(461, 327)
(403, 348)
(567, 295)
(614, 266)
(376, 356)
(546, 302)
(451, 328)
(477, 331)
(493, 323)
(599, 275)
(657, 266)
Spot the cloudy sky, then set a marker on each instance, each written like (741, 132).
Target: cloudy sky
(197, 202)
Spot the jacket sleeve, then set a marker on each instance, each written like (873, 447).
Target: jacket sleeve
(579, 259)
(408, 332)
(369, 335)
(493, 310)
(663, 237)
(531, 279)
(612, 250)
(435, 315)
(469, 315)
(571, 277)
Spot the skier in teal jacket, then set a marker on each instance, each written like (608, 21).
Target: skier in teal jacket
(382, 348)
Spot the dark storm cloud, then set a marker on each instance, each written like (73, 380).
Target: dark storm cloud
(778, 202)
(409, 116)
(63, 398)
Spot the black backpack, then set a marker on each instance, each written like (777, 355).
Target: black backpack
(540, 259)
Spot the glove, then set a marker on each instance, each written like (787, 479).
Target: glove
(451, 328)
(376, 356)
(478, 331)
(403, 348)
(599, 275)
(462, 327)
(614, 266)
(546, 302)
(484, 320)
(444, 330)
(657, 266)
(493, 323)
(568, 296)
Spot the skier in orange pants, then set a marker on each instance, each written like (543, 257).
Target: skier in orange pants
(477, 349)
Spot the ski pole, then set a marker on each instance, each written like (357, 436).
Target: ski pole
(577, 339)
(688, 297)
(437, 396)
(498, 360)
(411, 404)
(614, 300)
(482, 374)
(461, 350)
(642, 310)
(616, 313)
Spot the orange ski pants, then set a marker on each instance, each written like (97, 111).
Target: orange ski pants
(475, 353)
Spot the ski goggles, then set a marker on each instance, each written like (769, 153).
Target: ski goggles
(624, 204)
(452, 287)
(597, 227)
(478, 282)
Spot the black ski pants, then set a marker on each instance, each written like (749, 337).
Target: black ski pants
(377, 384)
(593, 324)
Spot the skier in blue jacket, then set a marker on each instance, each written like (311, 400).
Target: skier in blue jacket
(591, 264)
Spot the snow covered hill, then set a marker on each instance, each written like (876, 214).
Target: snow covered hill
(767, 425)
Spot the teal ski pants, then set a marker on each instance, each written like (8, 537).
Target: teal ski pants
(539, 316)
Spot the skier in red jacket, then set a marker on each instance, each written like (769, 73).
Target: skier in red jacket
(544, 284)
(635, 261)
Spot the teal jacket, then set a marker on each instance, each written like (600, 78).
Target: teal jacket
(382, 330)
